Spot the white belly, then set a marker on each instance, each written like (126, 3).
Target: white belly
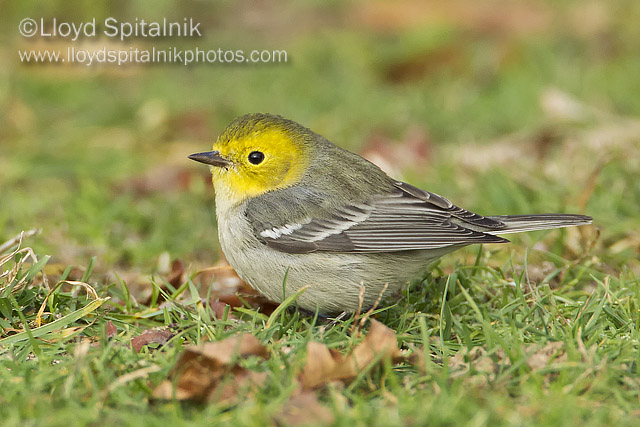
(333, 280)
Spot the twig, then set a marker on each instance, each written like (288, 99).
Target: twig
(374, 306)
(354, 327)
(18, 239)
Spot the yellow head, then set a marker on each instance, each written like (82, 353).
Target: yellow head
(255, 154)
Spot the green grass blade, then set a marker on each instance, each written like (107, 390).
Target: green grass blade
(55, 325)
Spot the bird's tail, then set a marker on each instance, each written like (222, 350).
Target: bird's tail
(519, 223)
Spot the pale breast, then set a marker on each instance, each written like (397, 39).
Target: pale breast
(332, 280)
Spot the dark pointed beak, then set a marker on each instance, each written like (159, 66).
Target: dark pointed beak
(212, 158)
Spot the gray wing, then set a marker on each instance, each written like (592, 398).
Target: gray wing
(406, 218)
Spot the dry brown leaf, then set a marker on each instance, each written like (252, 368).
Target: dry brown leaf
(319, 366)
(111, 329)
(380, 342)
(177, 276)
(225, 351)
(241, 384)
(250, 296)
(221, 278)
(194, 383)
(304, 409)
(228, 288)
(218, 308)
(210, 371)
(324, 366)
(151, 336)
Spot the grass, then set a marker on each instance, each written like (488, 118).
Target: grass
(74, 368)
(541, 331)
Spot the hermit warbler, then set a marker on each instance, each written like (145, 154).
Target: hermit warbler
(295, 211)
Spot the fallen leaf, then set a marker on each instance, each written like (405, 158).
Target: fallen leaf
(176, 276)
(241, 384)
(228, 288)
(199, 385)
(111, 329)
(225, 351)
(381, 342)
(319, 364)
(151, 336)
(220, 279)
(304, 409)
(210, 371)
(195, 381)
(219, 307)
(323, 365)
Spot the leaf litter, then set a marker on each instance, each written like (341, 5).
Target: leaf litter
(213, 372)
(226, 288)
(489, 364)
(325, 365)
(151, 336)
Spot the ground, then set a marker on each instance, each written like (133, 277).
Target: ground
(508, 108)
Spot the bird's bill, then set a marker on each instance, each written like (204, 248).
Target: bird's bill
(213, 158)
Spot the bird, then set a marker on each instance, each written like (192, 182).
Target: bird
(299, 215)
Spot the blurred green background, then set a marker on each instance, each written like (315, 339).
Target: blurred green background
(502, 106)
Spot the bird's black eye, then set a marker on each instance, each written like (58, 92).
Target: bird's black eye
(256, 157)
